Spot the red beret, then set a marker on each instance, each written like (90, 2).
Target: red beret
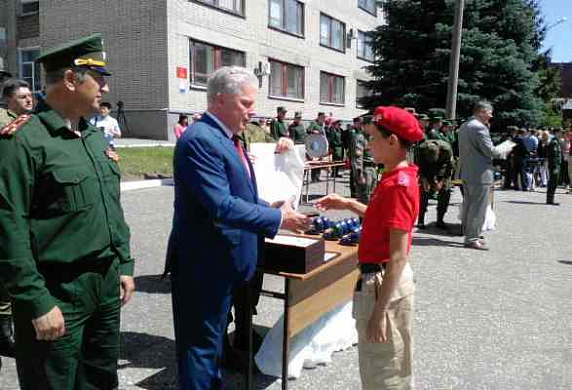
(398, 121)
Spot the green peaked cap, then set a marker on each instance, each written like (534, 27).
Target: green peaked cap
(83, 52)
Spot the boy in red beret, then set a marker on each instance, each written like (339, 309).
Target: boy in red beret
(383, 298)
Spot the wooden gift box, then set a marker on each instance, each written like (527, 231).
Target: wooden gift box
(293, 254)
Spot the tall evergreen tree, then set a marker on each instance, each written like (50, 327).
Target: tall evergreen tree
(499, 47)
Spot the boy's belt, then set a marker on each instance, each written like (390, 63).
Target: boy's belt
(371, 268)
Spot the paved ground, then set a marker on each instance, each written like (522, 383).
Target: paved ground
(496, 320)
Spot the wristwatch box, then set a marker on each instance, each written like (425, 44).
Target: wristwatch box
(293, 254)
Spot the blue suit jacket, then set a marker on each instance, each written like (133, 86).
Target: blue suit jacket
(219, 223)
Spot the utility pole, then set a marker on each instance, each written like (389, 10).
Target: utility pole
(455, 58)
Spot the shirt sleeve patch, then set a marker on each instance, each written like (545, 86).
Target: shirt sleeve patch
(403, 179)
(13, 126)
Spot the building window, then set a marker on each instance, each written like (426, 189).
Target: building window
(331, 88)
(332, 33)
(205, 59)
(286, 80)
(364, 47)
(29, 69)
(287, 15)
(28, 7)
(233, 6)
(361, 92)
(368, 6)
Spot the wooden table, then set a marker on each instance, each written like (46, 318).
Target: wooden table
(311, 165)
(307, 297)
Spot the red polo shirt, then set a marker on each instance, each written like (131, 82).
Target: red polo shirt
(393, 205)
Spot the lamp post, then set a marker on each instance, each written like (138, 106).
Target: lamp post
(559, 21)
(455, 58)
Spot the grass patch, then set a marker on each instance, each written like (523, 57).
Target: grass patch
(142, 163)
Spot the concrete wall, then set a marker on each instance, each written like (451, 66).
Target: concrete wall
(251, 35)
(135, 33)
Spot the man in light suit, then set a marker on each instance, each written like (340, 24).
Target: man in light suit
(219, 225)
(476, 153)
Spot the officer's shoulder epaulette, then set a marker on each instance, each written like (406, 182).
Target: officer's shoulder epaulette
(15, 125)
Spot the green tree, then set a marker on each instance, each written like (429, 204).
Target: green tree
(499, 48)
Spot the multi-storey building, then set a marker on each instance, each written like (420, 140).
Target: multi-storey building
(310, 55)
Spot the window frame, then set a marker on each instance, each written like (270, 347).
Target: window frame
(374, 13)
(35, 68)
(358, 82)
(285, 65)
(344, 32)
(217, 60)
(331, 77)
(21, 7)
(241, 14)
(302, 35)
(357, 48)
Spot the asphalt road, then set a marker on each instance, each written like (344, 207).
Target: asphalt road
(484, 320)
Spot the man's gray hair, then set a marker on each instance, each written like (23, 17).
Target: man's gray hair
(482, 105)
(10, 87)
(229, 80)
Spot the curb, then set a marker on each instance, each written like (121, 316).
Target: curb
(138, 185)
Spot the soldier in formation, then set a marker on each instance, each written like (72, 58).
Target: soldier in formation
(435, 162)
(334, 134)
(361, 160)
(278, 127)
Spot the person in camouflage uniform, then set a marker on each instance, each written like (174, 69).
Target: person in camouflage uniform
(296, 129)
(254, 133)
(278, 127)
(336, 144)
(435, 162)
(17, 102)
(554, 159)
(362, 162)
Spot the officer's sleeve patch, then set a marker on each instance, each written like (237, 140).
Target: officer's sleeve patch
(13, 126)
(403, 179)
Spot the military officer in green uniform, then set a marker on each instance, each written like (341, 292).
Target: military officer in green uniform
(296, 129)
(356, 126)
(317, 127)
(334, 134)
(432, 131)
(435, 162)
(362, 162)
(447, 133)
(278, 127)
(64, 245)
(554, 160)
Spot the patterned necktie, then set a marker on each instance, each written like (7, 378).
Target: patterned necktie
(241, 154)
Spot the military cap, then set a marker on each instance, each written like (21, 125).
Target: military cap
(423, 117)
(280, 109)
(448, 123)
(399, 122)
(298, 114)
(86, 52)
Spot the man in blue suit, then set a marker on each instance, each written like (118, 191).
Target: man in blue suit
(219, 225)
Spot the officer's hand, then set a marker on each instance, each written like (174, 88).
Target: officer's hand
(283, 145)
(127, 285)
(331, 202)
(292, 220)
(50, 326)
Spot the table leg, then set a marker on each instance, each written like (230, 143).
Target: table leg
(286, 335)
(335, 182)
(308, 174)
(328, 181)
